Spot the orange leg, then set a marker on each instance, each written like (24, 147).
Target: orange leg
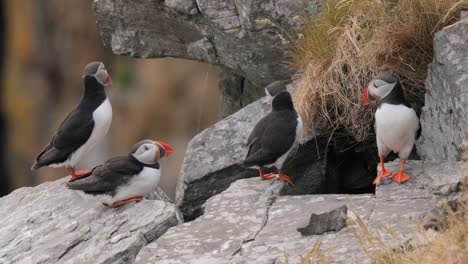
(285, 177)
(400, 176)
(268, 176)
(77, 174)
(126, 201)
(383, 172)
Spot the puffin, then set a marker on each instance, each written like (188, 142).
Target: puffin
(124, 179)
(85, 126)
(273, 137)
(396, 122)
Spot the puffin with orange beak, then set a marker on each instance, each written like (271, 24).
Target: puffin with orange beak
(396, 122)
(125, 179)
(83, 127)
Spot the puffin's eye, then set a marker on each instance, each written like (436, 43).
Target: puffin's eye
(146, 148)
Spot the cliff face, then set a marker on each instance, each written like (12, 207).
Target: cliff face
(444, 119)
(231, 34)
(226, 33)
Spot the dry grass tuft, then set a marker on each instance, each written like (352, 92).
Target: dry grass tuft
(352, 40)
(448, 246)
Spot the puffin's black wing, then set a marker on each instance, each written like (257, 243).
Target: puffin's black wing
(106, 178)
(72, 133)
(273, 136)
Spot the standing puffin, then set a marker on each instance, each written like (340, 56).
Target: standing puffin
(125, 179)
(83, 127)
(396, 123)
(273, 137)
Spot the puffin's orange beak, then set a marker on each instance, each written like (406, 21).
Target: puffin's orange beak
(109, 80)
(166, 147)
(365, 97)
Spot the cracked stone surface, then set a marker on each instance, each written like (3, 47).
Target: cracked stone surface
(230, 219)
(444, 119)
(51, 224)
(250, 223)
(250, 49)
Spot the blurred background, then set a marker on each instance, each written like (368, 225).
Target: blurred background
(44, 46)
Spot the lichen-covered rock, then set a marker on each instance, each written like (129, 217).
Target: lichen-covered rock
(250, 223)
(243, 42)
(51, 224)
(444, 119)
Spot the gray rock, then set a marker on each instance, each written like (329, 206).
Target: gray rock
(202, 50)
(51, 224)
(256, 51)
(213, 158)
(444, 119)
(236, 92)
(230, 219)
(188, 7)
(250, 223)
(325, 222)
(275, 88)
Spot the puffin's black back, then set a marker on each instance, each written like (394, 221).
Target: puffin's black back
(274, 134)
(76, 128)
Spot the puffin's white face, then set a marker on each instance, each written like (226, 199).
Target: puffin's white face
(147, 153)
(150, 152)
(379, 88)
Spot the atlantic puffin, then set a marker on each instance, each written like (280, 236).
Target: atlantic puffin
(85, 126)
(396, 122)
(273, 137)
(125, 179)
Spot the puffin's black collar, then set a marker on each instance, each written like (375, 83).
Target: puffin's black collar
(154, 165)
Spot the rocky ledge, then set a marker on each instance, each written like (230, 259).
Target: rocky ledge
(51, 224)
(251, 223)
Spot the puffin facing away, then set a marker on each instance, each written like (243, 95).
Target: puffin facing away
(273, 137)
(396, 123)
(83, 127)
(125, 179)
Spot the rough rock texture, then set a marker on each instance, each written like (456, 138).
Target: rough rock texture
(444, 119)
(228, 32)
(236, 92)
(213, 161)
(51, 224)
(250, 223)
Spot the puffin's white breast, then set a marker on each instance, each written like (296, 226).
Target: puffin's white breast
(396, 126)
(143, 183)
(102, 117)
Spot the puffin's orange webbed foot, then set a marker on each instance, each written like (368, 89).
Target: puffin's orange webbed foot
(285, 178)
(382, 174)
(269, 176)
(400, 177)
(126, 201)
